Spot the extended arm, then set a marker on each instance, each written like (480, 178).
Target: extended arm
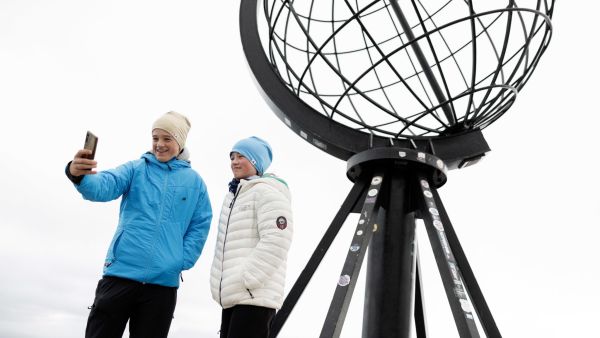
(98, 186)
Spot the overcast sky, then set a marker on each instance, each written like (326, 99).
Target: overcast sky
(527, 215)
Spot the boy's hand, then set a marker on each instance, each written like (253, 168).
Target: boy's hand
(82, 165)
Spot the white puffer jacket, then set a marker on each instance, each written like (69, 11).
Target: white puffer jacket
(254, 235)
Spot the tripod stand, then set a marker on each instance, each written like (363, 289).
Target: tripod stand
(392, 187)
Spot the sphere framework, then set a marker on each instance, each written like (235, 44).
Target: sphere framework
(405, 69)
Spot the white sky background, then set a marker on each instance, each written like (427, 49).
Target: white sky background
(527, 215)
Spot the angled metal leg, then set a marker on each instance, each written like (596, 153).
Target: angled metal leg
(483, 311)
(292, 298)
(420, 319)
(450, 272)
(364, 231)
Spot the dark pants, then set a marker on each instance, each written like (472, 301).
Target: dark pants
(149, 309)
(246, 321)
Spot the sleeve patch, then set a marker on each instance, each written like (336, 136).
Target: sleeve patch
(281, 222)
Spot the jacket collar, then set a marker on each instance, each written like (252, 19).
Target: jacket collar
(269, 179)
(174, 163)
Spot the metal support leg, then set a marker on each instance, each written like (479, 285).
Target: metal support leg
(420, 318)
(292, 298)
(347, 281)
(450, 272)
(389, 293)
(483, 311)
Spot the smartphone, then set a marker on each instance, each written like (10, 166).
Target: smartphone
(91, 141)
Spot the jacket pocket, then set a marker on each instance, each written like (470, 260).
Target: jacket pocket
(183, 203)
(112, 251)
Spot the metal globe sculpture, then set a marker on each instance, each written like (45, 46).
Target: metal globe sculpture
(401, 90)
(375, 72)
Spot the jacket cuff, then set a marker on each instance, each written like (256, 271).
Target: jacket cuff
(74, 179)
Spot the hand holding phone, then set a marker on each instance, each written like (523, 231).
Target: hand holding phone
(83, 163)
(91, 141)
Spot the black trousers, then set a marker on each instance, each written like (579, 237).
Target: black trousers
(148, 308)
(246, 321)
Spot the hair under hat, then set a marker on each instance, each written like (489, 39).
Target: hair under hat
(175, 124)
(257, 151)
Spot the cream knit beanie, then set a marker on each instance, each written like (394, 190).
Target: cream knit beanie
(175, 124)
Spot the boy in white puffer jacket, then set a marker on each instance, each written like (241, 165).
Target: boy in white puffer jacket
(254, 236)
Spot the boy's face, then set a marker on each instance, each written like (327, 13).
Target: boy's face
(241, 166)
(164, 146)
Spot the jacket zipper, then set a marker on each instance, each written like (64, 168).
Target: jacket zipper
(224, 241)
(159, 220)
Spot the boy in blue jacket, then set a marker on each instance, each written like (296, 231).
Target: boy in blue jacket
(164, 220)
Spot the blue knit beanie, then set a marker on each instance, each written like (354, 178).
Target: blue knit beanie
(257, 151)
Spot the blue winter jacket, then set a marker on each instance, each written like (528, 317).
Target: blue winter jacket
(164, 218)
